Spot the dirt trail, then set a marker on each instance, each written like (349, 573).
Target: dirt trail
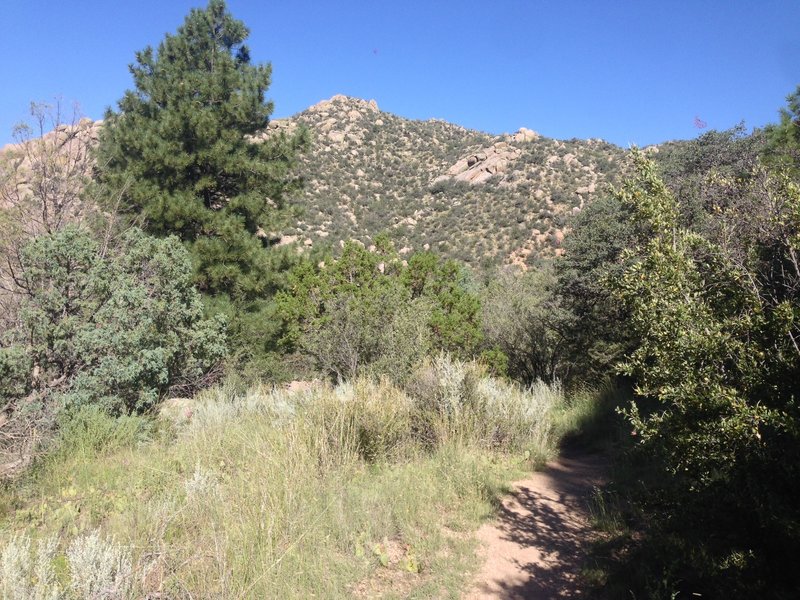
(534, 549)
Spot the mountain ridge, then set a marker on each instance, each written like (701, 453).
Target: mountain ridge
(487, 200)
(482, 198)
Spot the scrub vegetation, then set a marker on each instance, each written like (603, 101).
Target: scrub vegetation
(244, 358)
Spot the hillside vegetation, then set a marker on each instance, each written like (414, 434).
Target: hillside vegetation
(485, 200)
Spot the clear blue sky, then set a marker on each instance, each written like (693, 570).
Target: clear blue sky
(627, 71)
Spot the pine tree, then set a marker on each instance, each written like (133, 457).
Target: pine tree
(181, 154)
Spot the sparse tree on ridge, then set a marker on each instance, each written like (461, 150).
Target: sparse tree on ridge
(42, 179)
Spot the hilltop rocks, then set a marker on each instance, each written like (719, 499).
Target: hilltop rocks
(525, 135)
(336, 136)
(282, 125)
(340, 101)
(285, 240)
(502, 198)
(343, 120)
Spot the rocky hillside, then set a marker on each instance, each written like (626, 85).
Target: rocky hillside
(483, 199)
(486, 200)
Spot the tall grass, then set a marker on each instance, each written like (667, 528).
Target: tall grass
(334, 492)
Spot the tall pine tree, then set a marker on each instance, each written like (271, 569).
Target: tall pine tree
(181, 157)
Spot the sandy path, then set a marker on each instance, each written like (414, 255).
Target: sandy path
(534, 548)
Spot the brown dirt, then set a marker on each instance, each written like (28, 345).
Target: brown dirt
(535, 548)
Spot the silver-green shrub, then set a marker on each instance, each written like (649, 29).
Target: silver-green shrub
(111, 327)
(24, 576)
(100, 569)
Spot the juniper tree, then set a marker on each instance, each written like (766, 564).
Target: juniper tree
(181, 154)
(118, 328)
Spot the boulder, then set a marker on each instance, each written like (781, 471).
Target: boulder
(177, 410)
(336, 136)
(479, 167)
(525, 135)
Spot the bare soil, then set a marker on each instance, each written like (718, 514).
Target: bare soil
(536, 546)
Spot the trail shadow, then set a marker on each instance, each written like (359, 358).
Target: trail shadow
(546, 517)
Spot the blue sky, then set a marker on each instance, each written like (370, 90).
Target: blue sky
(626, 71)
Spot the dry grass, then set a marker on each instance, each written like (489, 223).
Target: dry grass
(329, 493)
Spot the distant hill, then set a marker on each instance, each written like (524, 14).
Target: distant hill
(480, 198)
(486, 200)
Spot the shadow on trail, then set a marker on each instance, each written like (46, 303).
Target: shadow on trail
(545, 516)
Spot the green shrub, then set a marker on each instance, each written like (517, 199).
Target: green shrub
(16, 366)
(716, 328)
(523, 318)
(366, 312)
(117, 328)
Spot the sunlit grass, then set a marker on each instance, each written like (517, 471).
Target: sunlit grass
(332, 493)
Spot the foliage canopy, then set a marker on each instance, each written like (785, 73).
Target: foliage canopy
(715, 317)
(367, 310)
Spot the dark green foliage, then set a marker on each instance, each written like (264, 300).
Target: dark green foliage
(783, 139)
(366, 311)
(455, 310)
(180, 157)
(694, 169)
(15, 365)
(717, 330)
(592, 252)
(709, 175)
(113, 328)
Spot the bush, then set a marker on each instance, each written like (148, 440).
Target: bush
(28, 575)
(715, 321)
(100, 570)
(368, 313)
(524, 319)
(117, 329)
(88, 431)
(454, 402)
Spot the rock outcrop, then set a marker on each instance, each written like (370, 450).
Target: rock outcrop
(481, 166)
(525, 135)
